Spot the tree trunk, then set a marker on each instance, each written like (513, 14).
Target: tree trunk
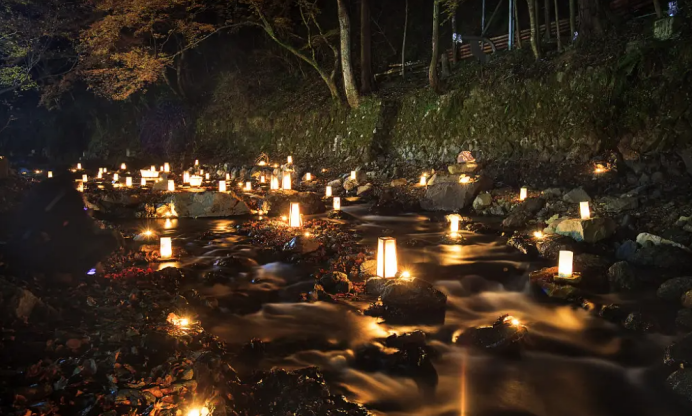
(547, 19)
(573, 28)
(453, 24)
(558, 28)
(433, 68)
(531, 6)
(352, 93)
(367, 82)
(518, 37)
(404, 32)
(658, 8)
(179, 75)
(590, 15)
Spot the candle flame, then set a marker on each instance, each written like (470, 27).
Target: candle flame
(539, 234)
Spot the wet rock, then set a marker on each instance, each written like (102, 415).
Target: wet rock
(674, 289)
(626, 250)
(406, 340)
(686, 299)
(452, 196)
(350, 184)
(662, 256)
(681, 383)
(392, 202)
(683, 318)
(409, 302)
(552, 192)
(301, 244)
(679, 352)
(648, 239)
(280, 201)
(465, 168)
(516, 220)
(238, 263)
(482, 201)
(208, 204)
(576, 196)
(619, 204)
(18, 303)
(523, 243)
(506, 333)
(551, 245)
(399, 182)
(365, 190)
(335, 184)
(336, 282)
(640, 322)
(590, 231)
(612, 312)
(622, 277)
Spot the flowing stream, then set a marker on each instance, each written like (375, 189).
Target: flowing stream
(572, 363)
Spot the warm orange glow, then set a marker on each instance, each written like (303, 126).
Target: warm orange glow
(79, 165)
(195, 181)
(406, 276)
(584, 210)
(295, 215)
(202, 171)
(286, 182)
(165, 247)
(149, 173)
(328, 191)
(454, 223)
(523, 193)
(386, 264)
(308, 176)
(274, 183)
(50, 174)
(167, 167)
(143, 182)
(289, 160)
(465, 179)
(171, 185)
(128, 181)
(115, 177)
(262, 179)
(123, 167)
(262, 163)
(422, 181)
(80, 187)
(84, 178)
(152, 168)
(336, 203)
(207, 175)
(198, 412)
(512, 320)
(539, 234)
(248, 186)
(147, 233)
(565, 264)
(197, 162)
(222, 186)
(228, 177)
(353, 175)
(168, 224)
(186, 177)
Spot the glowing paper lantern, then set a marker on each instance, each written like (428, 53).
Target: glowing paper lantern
(197, 162)
(565, 264)
(128, 181)
(115, 177)
(171, 185)
(165, 247)
(167, 167)
(152, 168)
(248, 186)
(328, 191)
(353, 175)
(422, 181)
(295, 215)
(222, 186)
(123, 167)
(80, 187)
(79, 165)
(308, 176)
(143, 182)
(584, 210)
(207, 176)
(228, 176)
(50, 174)
(336, 204)
(262, 179)
(465, 179)
(274, 183)
(289, 160)
(84, 178)
(386, 266)
(523, 193)
(186, 177)
(286, 182)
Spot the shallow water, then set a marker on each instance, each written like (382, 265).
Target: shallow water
(573, 363)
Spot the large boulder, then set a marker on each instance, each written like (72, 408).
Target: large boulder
(576, 196)
(648, 239)
(335, 282)
(407, 301)
(452, 196)
(278, 202)
(590, 230)
(619, 204)
(207, 204)
(463, 168)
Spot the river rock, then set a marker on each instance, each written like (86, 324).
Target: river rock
(350, 184)
(552, 192)
(681, 383)
(679, 353)
(640, 322)
(505, 333)
(451, 196)
(674, 288)
(301, 244)
(482, 201)
(17, 303)
(335, 184)
(207, 204)
(626, 250)
(516, 220)
(336, 282)
(551, 245)
(662, 256)
(465, 168)
(576, 195)
(523, 243)
(622, 277)
(590, 230)
(399, 182)
(279, 202)
(686, 299)
(648, 239)
(408, 301)
(619, 204)
(364, 190)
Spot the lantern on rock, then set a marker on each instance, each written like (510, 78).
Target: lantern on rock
(386, 264)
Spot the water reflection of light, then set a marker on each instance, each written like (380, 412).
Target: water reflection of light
(164, 265)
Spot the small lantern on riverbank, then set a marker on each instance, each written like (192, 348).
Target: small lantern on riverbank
(186, 177)
(262, 179)
(584, 210)
(308, 177)
(85, 178)
(295, 215)
(274, 183)
(167, 167)
(165, 247)
(79, 165)
(207, 176)
(454, 224)
(171, 185)
(523, 193)
(464, 179)
(123, 167)
(50, 174)
(386, 264)
(336, 204)
(197, 162)
(289, 160)
(115, 177)
(353, 175)
(286, 182)
(248, 186)
(143, 182)
(328, 191)
(128, 181)
(539, 235)
(222, 186)
(565, 264)
(422, 180)
(80, 187)
(228, 177)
